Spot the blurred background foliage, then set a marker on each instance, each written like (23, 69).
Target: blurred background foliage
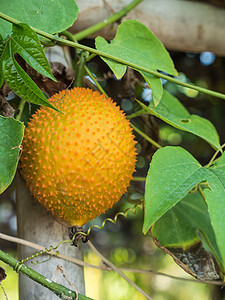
(123, 243)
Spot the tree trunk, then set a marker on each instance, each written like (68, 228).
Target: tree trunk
(35, 224)
(179, 24)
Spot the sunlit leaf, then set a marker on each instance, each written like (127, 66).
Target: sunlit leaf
(172, 174)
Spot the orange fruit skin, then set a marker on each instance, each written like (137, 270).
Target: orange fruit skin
(80, 162)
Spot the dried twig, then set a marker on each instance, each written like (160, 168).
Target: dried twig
(118, 271)
(85, 264)
(60, 269)
(6, 297)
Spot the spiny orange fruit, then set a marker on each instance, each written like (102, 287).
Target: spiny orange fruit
(80, 162)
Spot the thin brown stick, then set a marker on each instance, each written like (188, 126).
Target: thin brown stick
(108, 263)
(101, 268)
(6, 297)
(52, 252)
(60, 268)
(213, 282)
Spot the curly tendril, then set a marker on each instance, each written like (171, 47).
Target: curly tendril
(124, 214)
(47, 250)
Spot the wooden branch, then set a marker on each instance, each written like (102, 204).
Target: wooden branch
(102, 267)
(180, 25)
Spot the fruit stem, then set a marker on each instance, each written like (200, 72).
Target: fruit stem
(114, 18)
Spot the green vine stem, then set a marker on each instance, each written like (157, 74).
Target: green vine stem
(114, 58)
(47, 43)
(212, 160)
(145, 136)
(137, 114)
(95, 81)
(68, 35)
(78, 82)
(115, 17)
(58, 289)
(139, 179)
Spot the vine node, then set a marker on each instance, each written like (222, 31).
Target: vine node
(77, 233)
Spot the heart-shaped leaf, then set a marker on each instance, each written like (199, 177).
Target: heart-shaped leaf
(136, 44)
(172, 174)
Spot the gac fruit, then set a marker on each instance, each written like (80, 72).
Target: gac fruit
(80, 162)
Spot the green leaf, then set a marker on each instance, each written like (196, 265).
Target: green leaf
(49, 16)
(2, 49)
(215, 198)
(15, 77)
(155, 84)
(172, 174)
(11, 135)
(117, 68)
(26, 43)
(178, 228)
(136, 44)
(174, 113)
